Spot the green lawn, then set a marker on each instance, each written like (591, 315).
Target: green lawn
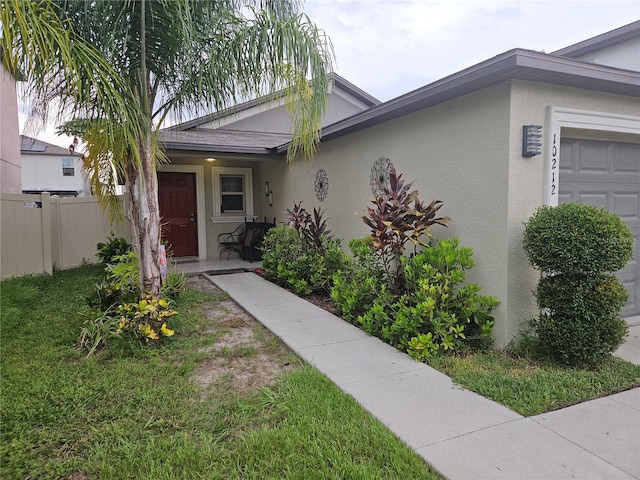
(142, 417)
(530, 386)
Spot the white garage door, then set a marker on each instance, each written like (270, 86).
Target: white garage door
(607, 174)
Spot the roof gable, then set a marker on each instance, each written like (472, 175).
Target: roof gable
(262, 106)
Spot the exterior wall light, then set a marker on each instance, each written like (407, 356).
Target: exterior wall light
(531, 140)
(268, 193)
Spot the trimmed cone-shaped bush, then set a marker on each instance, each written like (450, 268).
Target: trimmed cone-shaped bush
(579, 247)
(581, 325)
(577, 238)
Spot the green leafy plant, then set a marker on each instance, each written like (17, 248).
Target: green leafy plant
(576, 238)
(300, 255)
(578, 247)
(97, 330)
(117, 312)
(436, 312)
(123, 272)
(113, 247)
(360, 281)
(394, 221)
(173, 284)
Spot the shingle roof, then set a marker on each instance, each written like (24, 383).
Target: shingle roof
(224, 141)
(34, 146)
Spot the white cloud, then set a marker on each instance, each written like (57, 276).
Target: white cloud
(389, 47)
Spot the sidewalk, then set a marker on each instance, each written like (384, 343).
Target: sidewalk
(461, 434)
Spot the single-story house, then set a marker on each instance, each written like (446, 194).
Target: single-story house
(460, 139)
(50, 168)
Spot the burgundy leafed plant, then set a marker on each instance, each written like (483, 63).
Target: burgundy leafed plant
(398, 216)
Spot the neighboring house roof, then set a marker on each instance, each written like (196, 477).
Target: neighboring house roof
(34, 146)
(224, 141)
(600, 42)
(517, 64)
(336, 79)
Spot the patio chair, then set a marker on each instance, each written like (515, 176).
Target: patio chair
(232, 241)
(254, 232)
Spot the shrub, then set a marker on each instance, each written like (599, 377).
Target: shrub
(434, 313)
(145, 321)
(301, 256)
(577, 238)
(394, 222)
(288, 262)
(117, 312)
(360, 281)
(578, 247)
(113, 247)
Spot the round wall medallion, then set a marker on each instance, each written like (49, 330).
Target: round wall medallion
(379, 175)
(321, 184)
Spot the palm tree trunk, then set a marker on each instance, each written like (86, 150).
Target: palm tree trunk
(145, 219)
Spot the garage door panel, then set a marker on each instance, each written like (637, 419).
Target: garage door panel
(607, 174)
(627, 205)
(590, 158)
(626, 159)
(566, 198)
(596, 199)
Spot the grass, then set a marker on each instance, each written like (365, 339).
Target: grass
(530, 386)
(142, 416)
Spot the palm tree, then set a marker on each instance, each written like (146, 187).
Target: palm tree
(179, 57)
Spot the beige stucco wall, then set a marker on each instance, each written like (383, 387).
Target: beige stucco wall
(455, 152)
(9, 136)
(467, 153)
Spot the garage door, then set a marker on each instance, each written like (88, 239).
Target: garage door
(607, 174)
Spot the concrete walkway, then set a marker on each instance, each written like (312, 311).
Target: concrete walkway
(461, 434)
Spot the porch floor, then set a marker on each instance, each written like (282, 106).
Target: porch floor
(194, 266)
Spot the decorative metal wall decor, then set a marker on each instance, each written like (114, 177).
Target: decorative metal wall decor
(379, 174)
(321, 184)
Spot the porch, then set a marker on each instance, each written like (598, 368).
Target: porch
(194, 266)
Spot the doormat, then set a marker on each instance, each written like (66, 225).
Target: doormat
(228, 271)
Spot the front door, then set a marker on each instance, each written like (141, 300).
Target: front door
(177, 198)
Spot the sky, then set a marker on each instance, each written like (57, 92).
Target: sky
(391, 47)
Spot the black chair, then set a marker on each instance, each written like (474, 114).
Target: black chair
(232, 241)
(254, 232)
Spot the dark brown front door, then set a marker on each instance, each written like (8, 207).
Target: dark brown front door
(177, 197)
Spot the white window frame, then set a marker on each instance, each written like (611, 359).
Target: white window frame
(69, 165)
(218, 216)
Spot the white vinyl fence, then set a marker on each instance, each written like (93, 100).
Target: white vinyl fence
(41, 232)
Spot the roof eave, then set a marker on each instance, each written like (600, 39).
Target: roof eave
(600, 42)
(186, 146)
(515, 64)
